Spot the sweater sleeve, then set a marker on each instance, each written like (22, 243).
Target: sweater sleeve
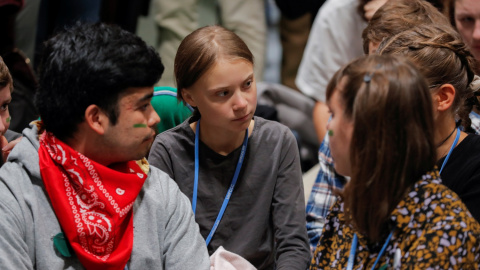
(184, 248)
(288, 208)
(13, 247)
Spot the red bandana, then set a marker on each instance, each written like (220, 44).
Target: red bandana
(93, 203)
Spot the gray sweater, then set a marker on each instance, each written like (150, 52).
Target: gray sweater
(165, 233)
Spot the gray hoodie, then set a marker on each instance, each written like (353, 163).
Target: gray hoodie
(165, 233)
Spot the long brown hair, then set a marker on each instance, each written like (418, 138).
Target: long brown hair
(393, 139)
(397, 16)
(443, 58)
(199, 51)
(449, 11)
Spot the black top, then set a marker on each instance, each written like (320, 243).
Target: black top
(265, 218)
(462, 173)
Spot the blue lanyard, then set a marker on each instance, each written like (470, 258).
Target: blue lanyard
(232, 184)
(451, 149)
(353, 249)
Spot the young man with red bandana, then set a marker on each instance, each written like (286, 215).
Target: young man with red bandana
(76, 191)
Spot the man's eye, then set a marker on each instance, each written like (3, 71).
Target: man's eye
(467, 20)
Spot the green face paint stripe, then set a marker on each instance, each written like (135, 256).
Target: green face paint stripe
(330, 132)
(139, 126)
(9, 119)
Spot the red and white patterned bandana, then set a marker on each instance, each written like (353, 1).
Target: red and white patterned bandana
(92, 202)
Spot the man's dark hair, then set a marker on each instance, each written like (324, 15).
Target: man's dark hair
(91, 64)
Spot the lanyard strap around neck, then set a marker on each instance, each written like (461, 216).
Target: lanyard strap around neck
(451, 149)
(232, 184)
(351, 258)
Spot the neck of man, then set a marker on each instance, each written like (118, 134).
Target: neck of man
(88, 145)
(221, 141)
(445, 133)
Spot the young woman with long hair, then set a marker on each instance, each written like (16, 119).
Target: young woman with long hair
(447, 65)
(241, 172)
(394, 212)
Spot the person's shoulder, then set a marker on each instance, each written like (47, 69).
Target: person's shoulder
(157, 174)
(441, 206)
(338, 6)
(272, 129)
(467, 154)
(265, 124)
(182, 130)
(338, 16)
(160, 190)
(332, 5)
(159, 180)
(430, 192)
(432, 211)
(448, 224)
(472, 141)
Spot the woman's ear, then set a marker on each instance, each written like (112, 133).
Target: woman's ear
(444, 97)
(187, 96)
(96, 119)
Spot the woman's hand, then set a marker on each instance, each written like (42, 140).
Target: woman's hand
(7, 146)
(371, 7)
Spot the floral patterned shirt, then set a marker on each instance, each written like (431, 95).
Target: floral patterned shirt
(432, 230)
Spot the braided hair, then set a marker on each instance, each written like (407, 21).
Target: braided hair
(443, 58)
